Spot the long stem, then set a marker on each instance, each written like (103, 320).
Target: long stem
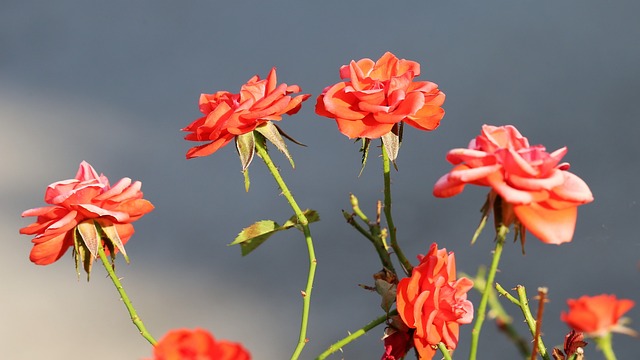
(354, 335)
(302, 220)
(482, 308)
(504, 322)
(125, 299)
(386, 169)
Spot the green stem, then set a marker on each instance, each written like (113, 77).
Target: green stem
(373, 235)
(604, 343)
(530, 319)
(125, 299)
(482, 308)
(386, 169)
(383, 254)
(302, 220)
(445, 352)
(356, 334)
(504, 322)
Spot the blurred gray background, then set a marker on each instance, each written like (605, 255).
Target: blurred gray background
(113, 82)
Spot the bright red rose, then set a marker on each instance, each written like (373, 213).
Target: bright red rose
(434, 302)
(544, 195)
(379, 95)
(598, 315)
(87, 196)
(228, 115)
(197, 344)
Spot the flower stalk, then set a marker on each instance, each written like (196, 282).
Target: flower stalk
(501, 235)
(137, 321)
(386, 169)
(304, 223)
(354, 335)
(604, 343)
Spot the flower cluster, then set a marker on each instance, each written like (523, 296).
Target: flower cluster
(544, 196)
(88, 196)
(529, 187)
(433, 301)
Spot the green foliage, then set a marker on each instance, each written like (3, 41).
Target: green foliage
(254, 235)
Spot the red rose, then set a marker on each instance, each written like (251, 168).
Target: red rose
(379, 95)
(228, 115)
(197, 344)
(87, 196)
(434, 302)
(598, 315)
(544, 196)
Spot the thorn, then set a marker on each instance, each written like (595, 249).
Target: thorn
(303, 293)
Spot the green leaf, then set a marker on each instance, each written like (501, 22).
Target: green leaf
(246, 146)
(251, 237)
(365, 153)
(272, 133)
(254, 235)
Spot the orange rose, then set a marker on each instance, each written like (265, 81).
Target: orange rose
(544, 196)
(228, 115)
(598, 315)
(197, 344)
(433, 302)
(87, 196)
(378, 96)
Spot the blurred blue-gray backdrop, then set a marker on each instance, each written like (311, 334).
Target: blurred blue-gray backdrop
(113, 82)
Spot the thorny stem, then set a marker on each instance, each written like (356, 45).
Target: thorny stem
(125, 299)
(531, 322)
(374, 235)
(356, 334)
(445, 352)
(482, 308)
(386, 169)
(504, 322)
(302, 220)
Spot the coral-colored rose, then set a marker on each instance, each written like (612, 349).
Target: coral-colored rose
(434, 302)
(87, 196)
(197, 344)
(544, 196)
(598, 315)
(379, 95)
(228, 115)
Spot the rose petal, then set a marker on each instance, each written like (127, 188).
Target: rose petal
(549, 225)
